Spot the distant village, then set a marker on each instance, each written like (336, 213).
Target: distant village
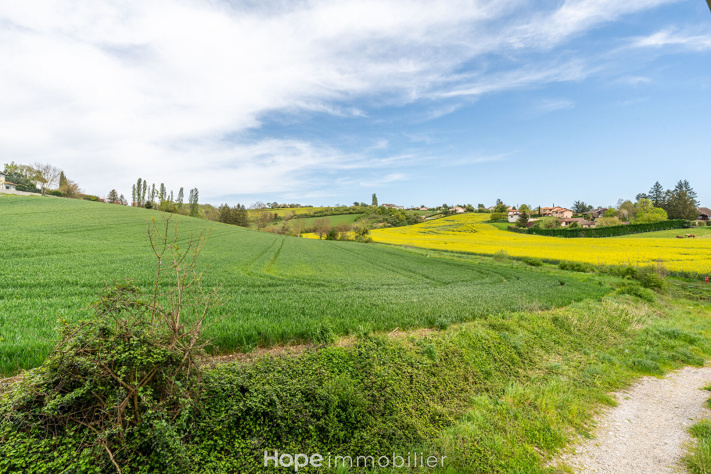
(624, 213)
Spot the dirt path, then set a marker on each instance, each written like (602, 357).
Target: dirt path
(647, 431)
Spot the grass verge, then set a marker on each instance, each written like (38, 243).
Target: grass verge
(698, 458)
(500, 394)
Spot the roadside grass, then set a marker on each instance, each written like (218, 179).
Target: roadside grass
(582, 353)
(698, 457)
(502, 393)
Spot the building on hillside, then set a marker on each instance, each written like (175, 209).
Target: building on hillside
(704, 214)
(582, 222)
(458, 210)
(6, 185)
(514, 215)
(596, 213)
(424, 208)
(559, 212)
(392, 206)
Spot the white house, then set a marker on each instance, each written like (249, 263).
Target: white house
(6, 185)
(513, 215)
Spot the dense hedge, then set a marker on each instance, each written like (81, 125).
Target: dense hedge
(610, 231)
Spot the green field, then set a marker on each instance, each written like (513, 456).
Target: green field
(334, 220)
(282, 211)
(699, 232)
(56, 255)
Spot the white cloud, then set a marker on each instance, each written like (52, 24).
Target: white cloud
(552, 105)
(701, 42)
(114, 90)
(635, 80)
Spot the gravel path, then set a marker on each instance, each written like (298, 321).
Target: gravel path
(647, 431)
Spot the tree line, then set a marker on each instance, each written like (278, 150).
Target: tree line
(45, 179)
(159, 198)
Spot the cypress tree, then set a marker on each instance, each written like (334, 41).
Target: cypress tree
(180, 198)
(656, 195)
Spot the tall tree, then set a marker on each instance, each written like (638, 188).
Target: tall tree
(580, 207)
(62, 180)
(500, 206)
(162, 194)
(122, 200)
(180, 199)
(143, 192)
(682, 203)
(112, 197)
(656, 195)
(193, 199)
(224, 214)
(139, 191)
(522, 220)
(375, 200)
(133, 195)
(47, 176)
(241, 216)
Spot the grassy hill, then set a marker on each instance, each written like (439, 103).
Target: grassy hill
(56, 255)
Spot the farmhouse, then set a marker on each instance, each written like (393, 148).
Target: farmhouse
(6, 185)
(704, 214)
(392, 206)
(559, 212)
(582, 222)
(514, 215)
(459, 209)
(596, 213)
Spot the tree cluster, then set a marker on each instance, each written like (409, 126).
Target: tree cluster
(159, 198)
(679, 203)
(389, 217)
(41, 178)
(235, 215)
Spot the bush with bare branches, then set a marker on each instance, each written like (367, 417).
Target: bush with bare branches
(129, 375)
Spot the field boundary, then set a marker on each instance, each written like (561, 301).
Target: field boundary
(602, 232)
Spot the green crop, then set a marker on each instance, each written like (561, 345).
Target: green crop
(56, 255)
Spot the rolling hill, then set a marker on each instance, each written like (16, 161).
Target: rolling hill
(57, 255)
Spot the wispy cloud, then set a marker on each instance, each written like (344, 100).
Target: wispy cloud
(154, 89)
(634, 80)
(669, 37)
(552, 105)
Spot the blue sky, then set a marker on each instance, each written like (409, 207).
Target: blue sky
(326, 102)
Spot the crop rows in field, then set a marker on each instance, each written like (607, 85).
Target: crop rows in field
(333, 220)
(470, 233)
(282, 211)
(56, 255)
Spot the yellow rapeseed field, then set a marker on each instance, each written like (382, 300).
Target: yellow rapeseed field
(470, 233)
